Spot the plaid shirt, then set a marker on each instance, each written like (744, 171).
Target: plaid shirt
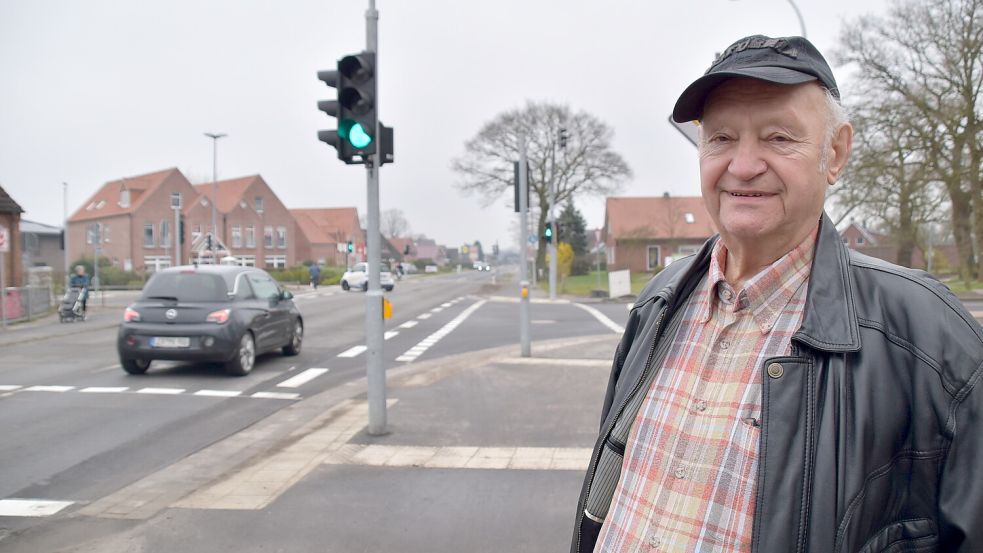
(690, 467)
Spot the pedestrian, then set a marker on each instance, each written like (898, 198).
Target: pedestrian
(315, 273)
(81, 281)
(777, 391)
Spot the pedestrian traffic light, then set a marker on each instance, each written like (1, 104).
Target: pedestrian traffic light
(355, 108)
(548, 232)
(350, 247)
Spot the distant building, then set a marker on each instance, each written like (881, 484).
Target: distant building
(10, 219)
(642, 233)
(882, 246)
(41, 245)
(325, 232)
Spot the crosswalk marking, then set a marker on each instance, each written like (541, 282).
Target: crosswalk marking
(354, 351)
(275, 395)
(217, 393)
(409, 324)
(104, 389)
(423, 316)
(31, 507)
(49, 388)
(426, 343)
(390, 334)
(302, 378)
(161, 391)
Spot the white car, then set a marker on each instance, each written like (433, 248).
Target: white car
(358, 277)
(481, 266)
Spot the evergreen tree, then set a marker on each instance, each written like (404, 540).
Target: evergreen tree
(573, 228)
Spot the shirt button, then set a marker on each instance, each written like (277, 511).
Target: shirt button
(655, 542)
(680, 472)
(776, 370)
(724, 344)
(726, 294)
(701, 406)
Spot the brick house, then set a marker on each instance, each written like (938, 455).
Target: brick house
(323, 229)
(10, 219)
(41, 246)
(640, 233)
(860, 238)
(131, 220)
(253, 224)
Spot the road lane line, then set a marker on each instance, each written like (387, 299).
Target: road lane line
(302, 378)
(602, 318)
(390, 334)
(161, 391)
(49, 388)
(104, 389)
(353, 351)
(423, 316)
(9, 387)
(31, 507)
(426, 343)
(409, 324)
(218, 393)
(446, 304)
(275, 395)
(436, 309)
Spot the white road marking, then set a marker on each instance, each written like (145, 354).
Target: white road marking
(543, 321)
(302, 378)
(604, 363)
(275, 395)
(429, 341)
(423, 316)
(9, 387)
(104, 389)
(436, 309)
(353, 351)
(409, 324)
(162, 391)
(463, 457)
(31, 507)
(446, 304)
(218, 393)
(602, 318)
(49, 388)
(390, 334)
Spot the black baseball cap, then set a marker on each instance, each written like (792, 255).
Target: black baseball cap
(783, 60)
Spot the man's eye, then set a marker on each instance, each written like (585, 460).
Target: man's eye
(781, 139)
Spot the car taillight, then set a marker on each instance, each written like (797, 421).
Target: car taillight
(220, 316)
(131, 315)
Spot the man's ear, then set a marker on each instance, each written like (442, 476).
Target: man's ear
(839, 153)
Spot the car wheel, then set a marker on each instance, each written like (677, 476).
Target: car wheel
(344, 285)
(245, 357)
(135, 366)
(365, 286)
(296, 339)
(389, 288)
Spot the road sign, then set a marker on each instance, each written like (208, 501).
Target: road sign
(4, 239)
(532, 239)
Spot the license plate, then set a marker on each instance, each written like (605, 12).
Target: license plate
(170, 342)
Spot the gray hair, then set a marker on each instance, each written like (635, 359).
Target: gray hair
(836, 117)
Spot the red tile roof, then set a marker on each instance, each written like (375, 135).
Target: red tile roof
(106, 201)
(229, 192)
(657, 217)
(329, 225)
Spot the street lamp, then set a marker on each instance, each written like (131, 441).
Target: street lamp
(214, 137)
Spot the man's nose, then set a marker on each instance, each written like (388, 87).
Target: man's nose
(747, 162)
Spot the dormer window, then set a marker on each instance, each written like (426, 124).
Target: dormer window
(124, 198)
(258, 204)
(689, 218)
(204, 202)
(91, 206)
(100, 204)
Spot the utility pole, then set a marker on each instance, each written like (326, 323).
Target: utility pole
(551, 217)
(375, 371)
(64, 202)
(214, 137)
(524, 248)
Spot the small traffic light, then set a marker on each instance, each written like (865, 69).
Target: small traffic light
(350, 247)
(355, 108)
(181, 232)
(563, 138)
(406, 249)
(548, 232)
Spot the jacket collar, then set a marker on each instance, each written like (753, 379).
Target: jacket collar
(830, 319)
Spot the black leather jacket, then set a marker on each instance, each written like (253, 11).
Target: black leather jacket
(872, 434)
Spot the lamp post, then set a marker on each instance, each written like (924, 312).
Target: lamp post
(64, 202)
(214, 137)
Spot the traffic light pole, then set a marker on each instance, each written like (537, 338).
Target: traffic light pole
(375, 370)
(524, 249)
(552, 220)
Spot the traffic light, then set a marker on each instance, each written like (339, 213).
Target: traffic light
(563, 138)
(548, 232)
(355, 108)
(350, 247)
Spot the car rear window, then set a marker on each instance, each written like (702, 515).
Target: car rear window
(188, 286)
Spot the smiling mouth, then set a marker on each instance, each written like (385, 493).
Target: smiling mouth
(748, 194)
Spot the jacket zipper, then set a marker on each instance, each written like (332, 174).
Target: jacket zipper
(607, 431)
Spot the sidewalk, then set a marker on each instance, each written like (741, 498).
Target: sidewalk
(486, 453)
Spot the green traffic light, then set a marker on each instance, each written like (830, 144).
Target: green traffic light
(358, 137)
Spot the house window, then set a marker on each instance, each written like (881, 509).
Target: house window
(105, 233)
(276, 261)
(165, 234)
(148, 235)
(247, 260)
(236, 236)
(258, 203)
(281, 237)
(860, 240)
(653, 257)
(124, 198)
(690, 218)
(688, 250)
(250, 236)
(154, 263)
(268, 236)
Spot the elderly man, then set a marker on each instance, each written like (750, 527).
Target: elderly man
(777, 392)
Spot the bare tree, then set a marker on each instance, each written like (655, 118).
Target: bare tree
(587, 165)
(393, 224)
(928, 54)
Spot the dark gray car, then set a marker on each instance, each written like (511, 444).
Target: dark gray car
(209, 313)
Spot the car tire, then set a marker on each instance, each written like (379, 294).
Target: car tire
(389, 288)
(296, 339)
(244, 360)
(344, 285)
(365, 286)
(135, 366)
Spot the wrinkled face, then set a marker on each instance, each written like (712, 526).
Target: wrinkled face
(761, 168)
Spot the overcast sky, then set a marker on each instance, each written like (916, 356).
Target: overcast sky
(97, 90)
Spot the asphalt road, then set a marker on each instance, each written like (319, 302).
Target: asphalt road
(77, 429)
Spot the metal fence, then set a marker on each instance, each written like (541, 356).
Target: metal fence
(27, 302)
